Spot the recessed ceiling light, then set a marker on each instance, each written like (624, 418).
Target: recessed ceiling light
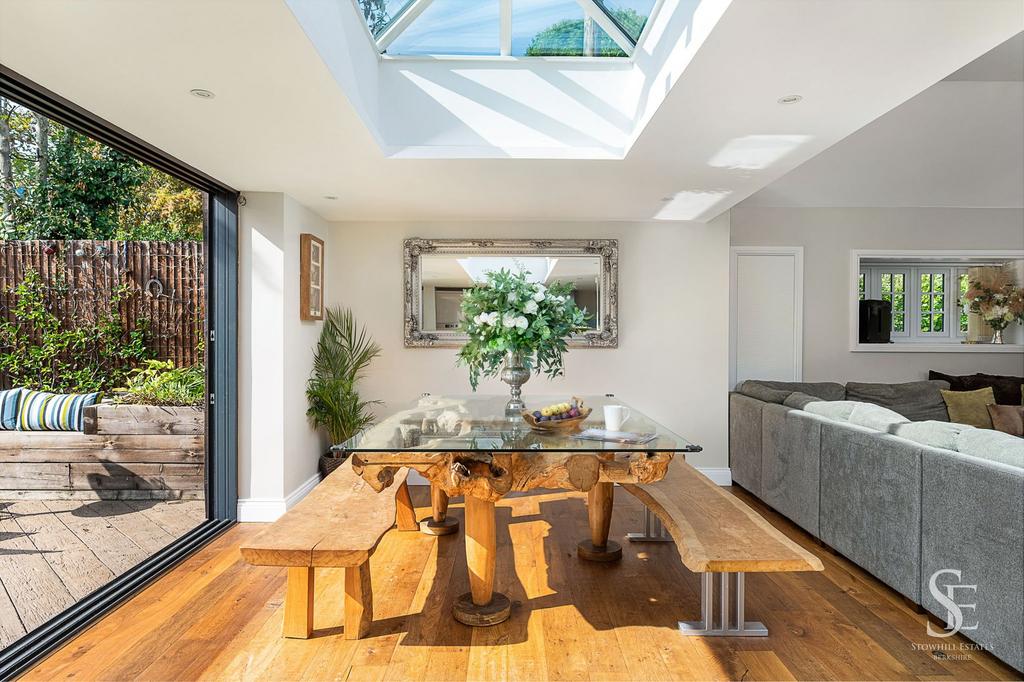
(330, 197)
(202, 94)
(790, 99)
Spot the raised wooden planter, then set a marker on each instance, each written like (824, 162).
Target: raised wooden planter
(127, 452)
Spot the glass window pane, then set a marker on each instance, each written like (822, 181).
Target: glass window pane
(886, 282)
(938, 282)
(898, 322)
(379, 14)
(897, 301)
(926, 302)
(897, 282)
(541, 28)
(963, 284)
(938, 302)
(926, 283)
(860, 286)
(926, 323)
(454, 27)
(630, 15)
(938, 322)
(963, 322)
(887, 297)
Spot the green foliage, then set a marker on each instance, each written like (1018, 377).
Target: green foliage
(342, 356)
(376, 14)
(565, 38)
(510, 314)
(39, 351)
(159, 382)
(61, 184)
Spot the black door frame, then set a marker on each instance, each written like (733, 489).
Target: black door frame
(221, 240)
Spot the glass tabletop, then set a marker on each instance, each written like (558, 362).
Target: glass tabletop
(468, 423)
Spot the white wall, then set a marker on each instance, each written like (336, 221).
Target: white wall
(672, 360)
(277, 449)
(829, 234)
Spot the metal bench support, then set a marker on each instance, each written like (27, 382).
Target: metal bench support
(705, 627)
(653, 530)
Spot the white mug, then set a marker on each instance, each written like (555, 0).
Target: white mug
(615, 416)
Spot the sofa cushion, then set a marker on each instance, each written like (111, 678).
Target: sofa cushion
(799, 401)
(39, 411)
(876, 417)
(836, 410)
(1007, 419)
(758, 390)
(994, 446)
(9, 409)
(916, 400)
(970, 407)
(934, 434)
(824, 390)
(1008, 390)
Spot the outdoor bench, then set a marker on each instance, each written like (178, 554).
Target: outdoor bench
(338, 524)
(716, 533)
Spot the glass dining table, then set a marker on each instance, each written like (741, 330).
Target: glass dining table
(467, 445)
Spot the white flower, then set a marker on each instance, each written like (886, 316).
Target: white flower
(521, 322)
(489, 319)
(539, 296)
(511, 297)
(509, 320)
(530, 307)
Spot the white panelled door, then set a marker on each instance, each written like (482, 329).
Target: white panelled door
(766, 316)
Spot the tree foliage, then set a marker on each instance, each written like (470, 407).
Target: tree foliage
(57, 183)
(565, 38)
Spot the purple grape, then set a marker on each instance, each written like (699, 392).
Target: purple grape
(574, 412)
(537, 414)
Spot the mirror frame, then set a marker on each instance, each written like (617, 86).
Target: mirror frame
(608, 295)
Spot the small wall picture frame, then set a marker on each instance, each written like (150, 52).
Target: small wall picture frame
(311, 278)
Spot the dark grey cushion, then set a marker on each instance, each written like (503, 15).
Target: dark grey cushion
(825, 390)
(758, 390)
(972, 521)
(799, 401)
(871, 502)
(916, 400)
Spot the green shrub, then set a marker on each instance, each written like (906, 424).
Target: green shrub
(40, 351)
(159, 382)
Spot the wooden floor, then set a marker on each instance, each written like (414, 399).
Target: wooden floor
(215, 617)
(54, 552)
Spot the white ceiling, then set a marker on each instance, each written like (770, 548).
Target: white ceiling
(281, 122)
(960, 143)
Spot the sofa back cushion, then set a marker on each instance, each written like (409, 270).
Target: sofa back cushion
(1008, 419)
(780, 390)
(39, 411)
(992, 445)
(934, 434)
(758, 390)
(916, 400)
(799, 401)
(876, 417)
(970, 407)
(1008, 390)
(9, 409)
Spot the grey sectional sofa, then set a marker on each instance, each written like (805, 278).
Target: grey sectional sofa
(893, 495)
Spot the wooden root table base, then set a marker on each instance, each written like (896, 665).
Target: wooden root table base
(492, 613)
(439, 522)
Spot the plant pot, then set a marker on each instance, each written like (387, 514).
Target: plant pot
(329, 461)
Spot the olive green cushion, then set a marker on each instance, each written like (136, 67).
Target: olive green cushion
(970, 407)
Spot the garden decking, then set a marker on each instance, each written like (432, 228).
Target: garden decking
(55, 552)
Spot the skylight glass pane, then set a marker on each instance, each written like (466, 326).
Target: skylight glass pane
(631, 15)
(452, 27)
(557, 28)
(379, 14)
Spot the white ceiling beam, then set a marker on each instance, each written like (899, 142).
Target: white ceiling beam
(609, 26)
(506, 27)
(401, 23)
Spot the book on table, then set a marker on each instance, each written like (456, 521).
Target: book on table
(604, 435)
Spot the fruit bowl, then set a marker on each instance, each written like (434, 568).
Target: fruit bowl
(551, 418)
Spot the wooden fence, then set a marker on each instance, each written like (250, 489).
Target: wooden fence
(164, 282)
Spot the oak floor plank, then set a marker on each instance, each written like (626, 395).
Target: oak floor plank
(217, 618)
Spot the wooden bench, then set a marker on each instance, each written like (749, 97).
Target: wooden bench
(716, 533)
(338, 524)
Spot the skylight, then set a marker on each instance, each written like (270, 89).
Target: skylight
(518, 28)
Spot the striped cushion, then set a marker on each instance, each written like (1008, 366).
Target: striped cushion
(53, 412)
(9, 409)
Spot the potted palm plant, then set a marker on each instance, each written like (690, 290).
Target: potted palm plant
(343, 354)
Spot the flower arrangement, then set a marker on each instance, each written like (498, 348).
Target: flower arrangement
(995, 299)
(508, 314)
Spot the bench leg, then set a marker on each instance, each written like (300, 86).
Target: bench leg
(358, 601)
(439, 523)
(405, 514)
(600, 500)
(298, 603)
(653, 530)
(705, 627)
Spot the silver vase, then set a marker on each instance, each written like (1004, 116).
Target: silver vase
(997, 336)
(515, 375)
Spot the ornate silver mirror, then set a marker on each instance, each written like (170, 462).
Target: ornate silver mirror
(437, 271)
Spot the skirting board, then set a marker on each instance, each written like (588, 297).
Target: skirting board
(269, 509)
